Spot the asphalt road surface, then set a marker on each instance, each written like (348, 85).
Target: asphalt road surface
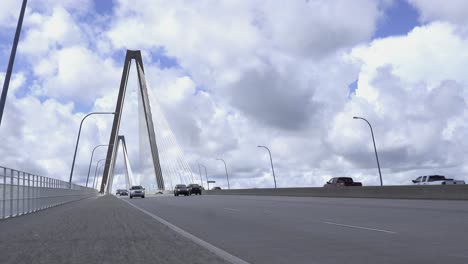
(262, 229)
(95, 230)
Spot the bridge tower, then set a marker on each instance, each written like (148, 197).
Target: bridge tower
(114, 138)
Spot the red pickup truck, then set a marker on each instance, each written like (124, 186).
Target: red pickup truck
(342, 182)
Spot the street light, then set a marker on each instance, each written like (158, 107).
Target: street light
(78, 138)
(99, 172)
(271, 161)
(206, 176)
(95, 171)
(227, 176)
(199, 172)
(375, 148)
(91, 160)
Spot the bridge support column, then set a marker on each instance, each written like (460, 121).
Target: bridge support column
(112, 152)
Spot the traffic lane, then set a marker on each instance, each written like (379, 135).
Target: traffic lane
(95, 230)
(280, 229)
(431, 216)
(356, 211)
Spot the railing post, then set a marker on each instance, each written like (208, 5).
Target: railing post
(4, 192)
(35, 192)
(29, 193)
(33, 205)
(22, 192)
(17, 192)
(11, 193)
(41, 191)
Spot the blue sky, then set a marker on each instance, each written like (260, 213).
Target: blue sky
(399, 19)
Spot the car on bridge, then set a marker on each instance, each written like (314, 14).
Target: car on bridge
(181, 189)
(342, 182)
(121, 192)
(216, 188)
(137, 191)
(436, 180)
(194, 189)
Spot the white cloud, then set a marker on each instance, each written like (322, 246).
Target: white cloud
(75, 73)
(412, 90)
(454, 11)
(9, 13)
(250, 73)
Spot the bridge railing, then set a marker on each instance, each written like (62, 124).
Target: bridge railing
(22, 192)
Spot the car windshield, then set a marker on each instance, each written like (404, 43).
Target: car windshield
(136, 188)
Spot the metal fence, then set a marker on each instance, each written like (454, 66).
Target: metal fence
(23, 193)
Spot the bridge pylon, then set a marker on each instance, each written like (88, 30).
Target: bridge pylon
(114, 138)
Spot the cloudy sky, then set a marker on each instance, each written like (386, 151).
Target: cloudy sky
(231, 75)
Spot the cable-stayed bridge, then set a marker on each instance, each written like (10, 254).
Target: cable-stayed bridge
(45, 220)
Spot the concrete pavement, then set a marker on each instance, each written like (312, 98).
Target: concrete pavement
(263, 229)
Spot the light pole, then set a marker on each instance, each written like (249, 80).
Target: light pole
(91, 160)
(375, 148)
(227, 176)
(206, 176)
(199, 172)
(78, 138)
(99, 172)
(271, 161)
(95, 171)
(6, 82)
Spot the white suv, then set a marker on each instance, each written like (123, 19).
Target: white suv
(137, 191)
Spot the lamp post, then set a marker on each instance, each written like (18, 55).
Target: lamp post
(6, 82)
(199, 172)
(375, 148)
(206, 176)
(91, 160)
(271, 161)
(95, 171)
(78, 138)
(227, 176)
(99, 172)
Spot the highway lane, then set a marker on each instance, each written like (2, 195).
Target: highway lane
(95, 230)
(262, 229)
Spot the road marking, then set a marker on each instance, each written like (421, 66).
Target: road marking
(215, 250)
(232, 209)
(361, 227)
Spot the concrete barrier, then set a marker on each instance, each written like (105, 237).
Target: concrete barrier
(435, 192)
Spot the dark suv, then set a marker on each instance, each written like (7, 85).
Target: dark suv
(194, 189)
(181, 189)
(121, 192)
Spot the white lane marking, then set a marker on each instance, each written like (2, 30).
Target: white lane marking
(361, 227)
(232, 209)
(215, 250)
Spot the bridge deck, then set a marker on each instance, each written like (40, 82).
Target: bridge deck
(95, 230)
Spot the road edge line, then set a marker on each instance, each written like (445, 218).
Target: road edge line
(213, 249)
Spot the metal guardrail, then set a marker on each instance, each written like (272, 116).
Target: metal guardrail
(22, 192)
